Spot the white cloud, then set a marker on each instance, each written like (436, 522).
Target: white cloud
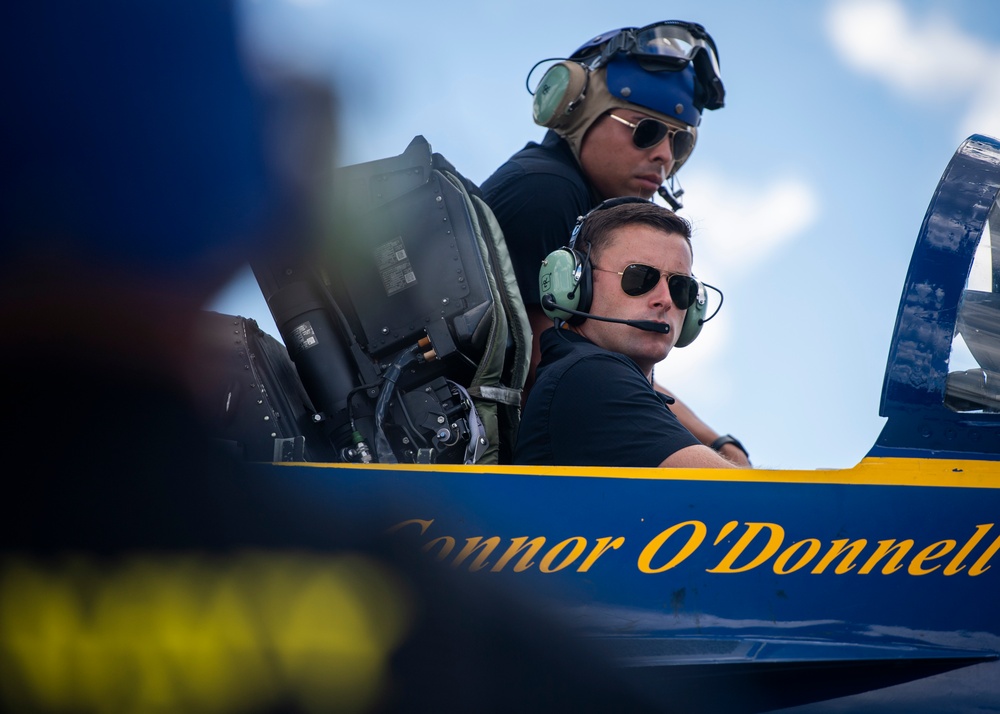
(921, 58)
(926, 59)
(983, 116)
(738, 226)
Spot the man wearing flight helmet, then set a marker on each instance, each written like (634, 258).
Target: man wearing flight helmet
(622, 114)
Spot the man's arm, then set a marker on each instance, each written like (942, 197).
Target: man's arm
(702, 431)
(697, 457)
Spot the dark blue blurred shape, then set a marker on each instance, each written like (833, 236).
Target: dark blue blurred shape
(131, 137)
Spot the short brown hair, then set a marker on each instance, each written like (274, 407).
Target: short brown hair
(596, 231)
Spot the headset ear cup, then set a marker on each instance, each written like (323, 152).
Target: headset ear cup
(558, 277)
(694, 319)
(558, 93)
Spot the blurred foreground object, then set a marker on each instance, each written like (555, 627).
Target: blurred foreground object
(142, 568)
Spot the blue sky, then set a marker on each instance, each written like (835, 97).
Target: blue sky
(806, 191)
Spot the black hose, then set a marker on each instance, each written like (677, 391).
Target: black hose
(383, 451)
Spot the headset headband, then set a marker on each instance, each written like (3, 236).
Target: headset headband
(603, 205)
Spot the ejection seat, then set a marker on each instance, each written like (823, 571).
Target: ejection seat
(407, 333)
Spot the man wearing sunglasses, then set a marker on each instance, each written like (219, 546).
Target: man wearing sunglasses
(622, 114)
(594, 403)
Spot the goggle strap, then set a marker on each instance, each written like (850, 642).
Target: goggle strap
(618, 43)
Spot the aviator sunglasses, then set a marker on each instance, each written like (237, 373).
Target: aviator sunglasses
(649, 132)
(638, 279)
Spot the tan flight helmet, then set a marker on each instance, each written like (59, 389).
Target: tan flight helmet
(668, 70)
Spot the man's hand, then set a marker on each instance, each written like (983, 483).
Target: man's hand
(735, 455)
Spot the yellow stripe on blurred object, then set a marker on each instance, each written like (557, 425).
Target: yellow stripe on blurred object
(198, 633)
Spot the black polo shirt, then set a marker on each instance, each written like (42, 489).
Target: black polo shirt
(537, 196)
(594, 407)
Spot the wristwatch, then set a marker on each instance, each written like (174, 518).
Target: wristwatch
(729, 439)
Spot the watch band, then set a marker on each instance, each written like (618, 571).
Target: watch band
(729, 439)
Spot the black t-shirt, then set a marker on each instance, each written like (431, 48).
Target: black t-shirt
(593, 407)
(537, 196)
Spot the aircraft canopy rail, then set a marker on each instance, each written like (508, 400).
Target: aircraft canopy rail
(941, 392)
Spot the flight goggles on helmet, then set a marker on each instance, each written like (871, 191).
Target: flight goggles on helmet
(668, 46)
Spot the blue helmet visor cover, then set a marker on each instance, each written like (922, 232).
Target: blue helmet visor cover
(669, 92)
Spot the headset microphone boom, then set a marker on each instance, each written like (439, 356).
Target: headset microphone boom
(549, 303)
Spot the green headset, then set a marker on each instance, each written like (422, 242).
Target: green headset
(561, 90)
(565, 283)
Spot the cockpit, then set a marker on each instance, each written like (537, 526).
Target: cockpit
(941, 392)
(973, 383)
